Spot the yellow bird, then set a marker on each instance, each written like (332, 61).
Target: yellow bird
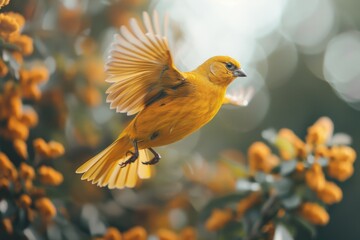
(169, 104)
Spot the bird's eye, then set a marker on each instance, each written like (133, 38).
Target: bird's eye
(230, 66)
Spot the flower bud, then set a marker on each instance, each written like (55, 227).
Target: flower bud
(314, 213)
(340, 170)
(330, 194)
(315, 178)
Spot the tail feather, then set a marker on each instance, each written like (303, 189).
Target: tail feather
(104, 169)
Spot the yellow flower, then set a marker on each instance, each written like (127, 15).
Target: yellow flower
(314, 213)
(20, 148)
(340, 170)
(112, 234)
(218, 219)
(320, 132)
(165, 234)
(188, 233)
(46, 208)
(3, 69)
(330, 193)
(50, 176)
(135, 233)
(247, 203)
(315, 178)
(260, 158)
(26, 172)
(8, 25)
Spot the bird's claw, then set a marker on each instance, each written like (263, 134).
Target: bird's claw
(130, 159)
(153, 161)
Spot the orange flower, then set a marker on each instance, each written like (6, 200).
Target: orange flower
(25, 43)
(188, 233)
(7, 225)
(247, 203)
(342, 154)
(26, 172)
(112, 234)
(38, 75)
(314, 213)
(340, 170)
(29, 118)
(4, 3)
(321, 151)
(7, 168)
(4, 183)
(41, 147)
(3, 69)
(315, 178)
(18, 57)
(24, 201)
(50, 176)
(165, 234)
(260, 158)
(300, 167)
(320, 132)
(19, 19)
(330, 194)
(91, 96)
(135, 233)
(290, 145)
(8, 25)
(46, 208)
(56, 149)
(15, 105)
(20, 148)
(17, 129)
(218, 219)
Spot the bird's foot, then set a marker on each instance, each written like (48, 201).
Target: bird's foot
(155, 159)
(130, 159)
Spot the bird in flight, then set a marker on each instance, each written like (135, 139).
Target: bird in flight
(168, 104)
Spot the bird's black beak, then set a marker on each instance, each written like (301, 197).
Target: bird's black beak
(239, 73)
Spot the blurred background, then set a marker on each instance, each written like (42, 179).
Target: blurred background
(302, 58)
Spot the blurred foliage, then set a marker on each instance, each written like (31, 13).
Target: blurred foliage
(51, 87)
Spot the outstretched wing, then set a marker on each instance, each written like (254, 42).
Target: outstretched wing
(140, 66)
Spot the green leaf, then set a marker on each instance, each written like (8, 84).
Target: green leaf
(305, 225)
(291, 202)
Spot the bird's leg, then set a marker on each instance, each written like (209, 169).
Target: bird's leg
(155, 159)
(134, 156)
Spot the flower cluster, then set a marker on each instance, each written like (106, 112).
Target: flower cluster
(290, 183)
(24, 163)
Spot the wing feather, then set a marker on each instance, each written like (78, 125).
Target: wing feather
(139, 67)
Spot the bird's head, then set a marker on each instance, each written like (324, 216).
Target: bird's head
(222, 70)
